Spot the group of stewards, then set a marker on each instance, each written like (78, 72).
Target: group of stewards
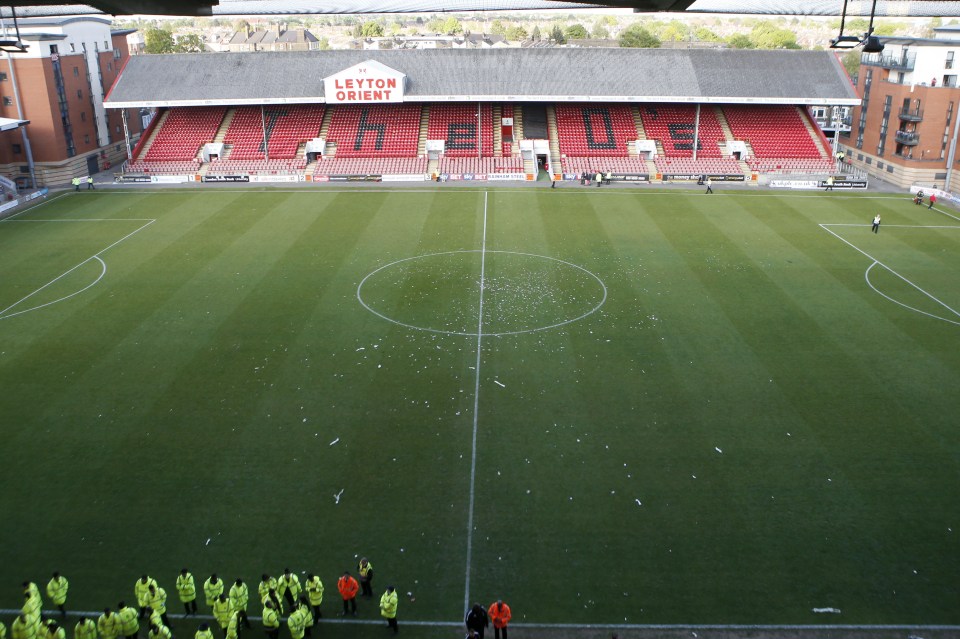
(283, 599)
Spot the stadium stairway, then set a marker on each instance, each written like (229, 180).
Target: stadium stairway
(222, 131)
(497, 132)
(424, 124)
(554, 139)
(638, 122)
(153, 134)
(724, 125)
(815, 133)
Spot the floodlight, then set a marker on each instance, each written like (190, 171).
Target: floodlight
(13, 46)
(844, 42)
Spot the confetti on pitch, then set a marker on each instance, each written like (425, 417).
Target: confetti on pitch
(335, 441)
(499, 384)
(718, 450)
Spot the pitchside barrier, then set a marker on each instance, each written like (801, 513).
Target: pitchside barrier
(614, 177)
(12, 204)
(941, 195)
(716, 177)
(817, 184)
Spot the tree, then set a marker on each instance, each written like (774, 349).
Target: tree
(435, 25)
(371, 30)
(674, 31)
(535, 34)
(516, 33)
(600, 31)
(635, 36)
(323, 44)
(704, 34)
(851, 62)
(576, 32)
(741, 41)
(556, 34)
(767, 35)
(157, 41)
(190, 43)
(241, 26)
(497, 28)
(452, 26)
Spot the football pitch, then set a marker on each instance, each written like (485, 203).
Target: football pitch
(605, 406)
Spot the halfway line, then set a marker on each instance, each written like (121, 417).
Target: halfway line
(476, 408)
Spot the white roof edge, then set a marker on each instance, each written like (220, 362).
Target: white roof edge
(659, 99)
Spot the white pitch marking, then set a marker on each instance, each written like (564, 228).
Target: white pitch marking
(876, 261)
(95, 256)
(866, 276)
(476, 409)
(602, 301)
(564, 626)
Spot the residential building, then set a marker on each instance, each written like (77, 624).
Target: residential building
(278, 38)
(906, 129)
(59, 84)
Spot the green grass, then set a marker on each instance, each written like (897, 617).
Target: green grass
(193, 393)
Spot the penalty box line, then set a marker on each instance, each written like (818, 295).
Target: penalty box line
(95, 256)
(54, 614)
(876, 261)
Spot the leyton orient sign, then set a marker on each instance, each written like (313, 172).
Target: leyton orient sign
(368, 81)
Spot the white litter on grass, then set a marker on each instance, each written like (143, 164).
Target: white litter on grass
(835, 611)
(638, 502)
(336, 498)
(335, 441)
(718, 450)
(499, 384)
(208, 541)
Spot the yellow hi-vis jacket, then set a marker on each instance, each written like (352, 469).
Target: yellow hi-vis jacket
(289, 582)
(388, 605)
(142, 590)
(239, 597)
(186, 587)
(57, 590)
(212, 590)
(270, 618)
(222, 611)
(85, 629)
(157, 600)
(110, 627)
(315, 591)
(162, 632)
(296, 625)
(129, 622)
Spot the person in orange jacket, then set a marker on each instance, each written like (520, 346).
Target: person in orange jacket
(348, 588)
(500, 615)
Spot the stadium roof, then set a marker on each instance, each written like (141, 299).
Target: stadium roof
(898, 8)
(510, 75)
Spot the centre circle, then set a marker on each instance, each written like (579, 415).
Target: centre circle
(441, 292)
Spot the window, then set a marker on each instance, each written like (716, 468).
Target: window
(106, 45)
(7, 100)
(3, 76)
(73, 47)
(16, 149)
(83, 116)
(80, 93)
(116, 54)
(54, 48)
(86, 139)
(76, 72)
(949, 63)
(109, 66)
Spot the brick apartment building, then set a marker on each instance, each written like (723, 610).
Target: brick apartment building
(59, 85)
(906, 127)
